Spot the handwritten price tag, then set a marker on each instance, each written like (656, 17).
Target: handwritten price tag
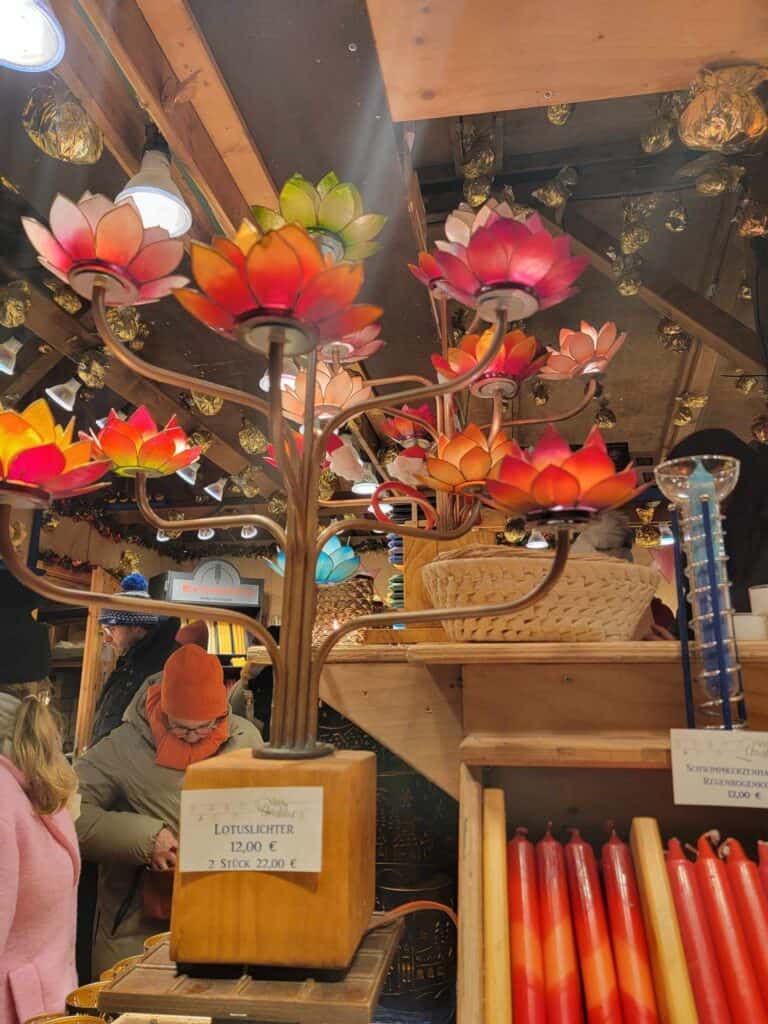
(720, 768)
(258, 829)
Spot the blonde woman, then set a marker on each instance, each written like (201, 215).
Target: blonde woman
(39, 863)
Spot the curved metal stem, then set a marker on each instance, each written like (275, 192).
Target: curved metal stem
(285, 457)
(365, 525)
(217, 522)
(439, 614)
(405, 378)
(123, 354)
(589, 394)
(498, 411)
(418, 420)
(70, 596)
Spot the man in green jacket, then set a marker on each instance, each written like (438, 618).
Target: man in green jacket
(130, 784)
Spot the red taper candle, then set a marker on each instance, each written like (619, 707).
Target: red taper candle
(762, 866)
(741, 989)
(703, 968)
(630, 949)
(562, 987)
(592, 939)
(752, 906)
(527, 962)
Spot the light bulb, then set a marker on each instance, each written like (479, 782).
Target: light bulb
(249, 532)
(537, 540)
(31, 38)
(384, 507)
(157, 196)
(216, 489)
(206, 533)
(162, 536)
(64, 394)
(189, 473)
(8, 352)
(287, 377)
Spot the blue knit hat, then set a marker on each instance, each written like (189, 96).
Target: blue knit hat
(133, 585)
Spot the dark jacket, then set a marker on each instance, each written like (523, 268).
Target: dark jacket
(144, 659)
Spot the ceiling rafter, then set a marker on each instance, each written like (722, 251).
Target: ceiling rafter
(20, 384)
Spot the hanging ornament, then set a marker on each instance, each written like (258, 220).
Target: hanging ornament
(458, 324)
(559, 114)
(123, 322)
(540, 392)
(725, 115)
(277, 505)
(515, 531)
(251, 439)
(248, 482)
(129, 562)
(556, 193)
(327, 484)
(479, 160)
(387, 456)
(50, 521)
(760, 428)
(91, 370)
(635, 211)
(202, 439)
(175, 516)
(625, 269)
(634, 237)
(672, 336)
(751, 219)
(720, 178)
(629, 284)
(648, 534)
(683, 415)
(745, 291)
(518, 210)
(63, 296)
(605, 417)
(15, 303)
(693, 399)
(60, 126)
(86, 395)
(138, 343)
(677, 217)
(659, 134)
(746, 383)
(477, 190)
(19, 533)
(206, 405)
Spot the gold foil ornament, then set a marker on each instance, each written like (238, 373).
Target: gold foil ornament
(746, 383)
(673, 336)
(634, 237)
(60, 126)
(677, 217)
(760, 428)
(19, 533)
(605, 417)
(658, 136)
(480, 162)
(745, 291)
(637, 209)
(648, 536)
(725, 115)
(751, 219)
(248, 482)
(63, 295)
(92, 369)
(251, 439)
(519, 210)
(629, 284)
(50, 521)
(557, 192)
(206, 405)
(173, 515)
(693, 399)
(327, 484)
(540, 393)
(477, 190)
(559, 114)
(129, 562)
(683, 415)
(515, 531)
(202, 439)
(123, 322)
(15, 303)
(721, 178)
(277, 505)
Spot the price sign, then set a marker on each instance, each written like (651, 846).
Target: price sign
(724, 768)
(278, 828)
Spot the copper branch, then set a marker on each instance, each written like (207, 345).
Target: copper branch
(589, 394)
(366, 525)
(71, 596)
(217, 522)
(124, 355)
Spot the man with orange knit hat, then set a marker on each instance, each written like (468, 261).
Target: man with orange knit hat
(178, 718)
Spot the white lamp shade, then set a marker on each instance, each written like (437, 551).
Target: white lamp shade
(537, 540)
(65, 394)
(367, 483)
(189, 473)
(162, 536)
(157, 197)
(206, 533)
(31, 38)
(249, 532)
(8, 352)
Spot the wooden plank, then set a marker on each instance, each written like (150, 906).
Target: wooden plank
(92, 676)
(572, 750)
(441, 58)
(22, 383)
(186, 50)
(497, 987)
(128, 37)
(665, 652)
(414, 711)
(663, 292)
(469, 985)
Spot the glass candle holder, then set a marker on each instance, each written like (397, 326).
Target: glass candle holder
(697, 485)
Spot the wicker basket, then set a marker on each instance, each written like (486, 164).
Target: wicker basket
(596, 598)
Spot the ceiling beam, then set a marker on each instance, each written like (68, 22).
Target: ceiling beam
(663, 292)
(20, 384)
(124, 31)
(188, 54)
(443, 58)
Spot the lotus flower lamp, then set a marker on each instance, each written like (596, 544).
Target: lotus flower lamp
(137, 445)
(585, 352)
(335, 563)
(519, 358)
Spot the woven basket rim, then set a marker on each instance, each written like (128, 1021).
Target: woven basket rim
(490, 552)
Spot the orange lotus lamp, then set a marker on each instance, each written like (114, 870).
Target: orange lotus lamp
(276, 287)
(406, 431)
(334, 392)
(137, 445)
(585, 352)
(39, 463)
(96, 239)
(464, 462)
(553, 485)
(519, 358)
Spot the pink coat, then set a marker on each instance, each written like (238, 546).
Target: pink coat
(39, 870)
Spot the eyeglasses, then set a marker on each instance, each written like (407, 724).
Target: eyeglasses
(186, 730)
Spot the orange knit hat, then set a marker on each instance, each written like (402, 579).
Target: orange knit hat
(192, 687)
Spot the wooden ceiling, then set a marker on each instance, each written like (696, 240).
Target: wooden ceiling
(248, 93)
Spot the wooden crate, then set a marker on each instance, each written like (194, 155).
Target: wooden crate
(153, 986)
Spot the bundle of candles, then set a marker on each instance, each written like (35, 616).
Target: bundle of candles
(643, 936)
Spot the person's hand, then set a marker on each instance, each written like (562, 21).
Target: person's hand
(658, 633)
(164, 853)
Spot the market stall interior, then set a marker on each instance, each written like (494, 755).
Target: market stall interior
(304, 314)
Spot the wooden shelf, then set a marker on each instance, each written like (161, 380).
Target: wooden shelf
(567, 750)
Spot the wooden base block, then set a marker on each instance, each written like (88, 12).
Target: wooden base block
(285, 919)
